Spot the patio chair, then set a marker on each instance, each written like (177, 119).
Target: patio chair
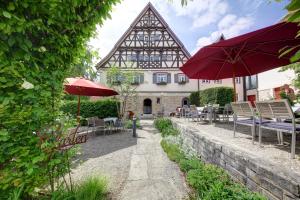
(278, 111)
(119, 125)
(185, 111)
(100, 125)
(227, 112)
(193, 113)
(245, 110)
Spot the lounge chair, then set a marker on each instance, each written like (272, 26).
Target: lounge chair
(96, 124)
(245, 110)
(278, 111)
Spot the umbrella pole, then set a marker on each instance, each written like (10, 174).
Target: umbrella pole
(234, 88)
(78, 109)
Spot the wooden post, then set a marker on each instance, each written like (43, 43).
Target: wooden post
(78, 109)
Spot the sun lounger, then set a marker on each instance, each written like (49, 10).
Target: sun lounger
(278, 111)
(243, 113)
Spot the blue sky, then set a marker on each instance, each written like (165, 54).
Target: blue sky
(198, 24)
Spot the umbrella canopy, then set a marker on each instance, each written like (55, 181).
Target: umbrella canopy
(84, 87)
(245, 55)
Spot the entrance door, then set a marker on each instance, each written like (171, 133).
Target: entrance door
(252, 99)
(147, 106)
(185, 102)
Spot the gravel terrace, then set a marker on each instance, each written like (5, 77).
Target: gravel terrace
(136, 168)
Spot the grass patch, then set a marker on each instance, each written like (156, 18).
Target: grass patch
(91, 189)
(208, 181)
(165, 126)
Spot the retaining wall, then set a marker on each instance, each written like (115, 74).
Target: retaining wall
(256, 174)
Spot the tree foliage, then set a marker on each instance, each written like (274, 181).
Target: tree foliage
(39, 44)
(195, 98)
(122, 81)
(217, 95)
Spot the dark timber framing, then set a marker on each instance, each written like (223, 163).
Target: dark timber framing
(149, 43)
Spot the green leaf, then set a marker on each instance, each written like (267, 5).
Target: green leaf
(6, 14)
(294, 5)
(295, 57)
(37, 159)
(11, 6)
(11, 41)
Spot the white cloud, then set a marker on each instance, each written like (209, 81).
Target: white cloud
(202, 12)
(230, 26)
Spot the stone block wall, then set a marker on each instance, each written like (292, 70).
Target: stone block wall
(254, 173)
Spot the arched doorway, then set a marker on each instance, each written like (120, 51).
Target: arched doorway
(185, 102)
(147, 106)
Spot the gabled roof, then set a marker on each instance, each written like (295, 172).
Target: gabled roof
(149, 6)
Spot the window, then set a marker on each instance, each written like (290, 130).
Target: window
(161, 78)
(155, 37)
(166, 58)
(143, 58)
(131, 57)
(238, 80)
(251, 82)
(154, 58)
(158, 100)
(141, 37)
(181, 78)
(218, 81)
(137, 79)
(205, 81)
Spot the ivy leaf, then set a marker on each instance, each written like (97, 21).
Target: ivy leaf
(6, 14)
(37, 159)
(11, 6)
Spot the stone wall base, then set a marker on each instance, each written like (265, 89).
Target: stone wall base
(243, 169)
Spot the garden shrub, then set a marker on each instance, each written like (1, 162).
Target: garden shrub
(195, 98)
(90, 189)
(165, 126)
(101, 108)
(129, 123)
(209, 181)
(40, 42)
(217, 95)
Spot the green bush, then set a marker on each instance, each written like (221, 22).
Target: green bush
(173, 151)
(165, 126)
(128, 124)
(90, 189)
(217, 95)
(195, 98)
(209, 181)
(101, 108)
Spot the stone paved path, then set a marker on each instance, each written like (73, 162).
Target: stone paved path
(137, 168)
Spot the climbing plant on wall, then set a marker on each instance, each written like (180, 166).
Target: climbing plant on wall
(39, 43)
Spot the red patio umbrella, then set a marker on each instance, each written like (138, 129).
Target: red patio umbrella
(244, 55)
(84, 87)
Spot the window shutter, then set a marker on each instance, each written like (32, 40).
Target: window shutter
(141, 78)
(154, 77)
(176, 78)
(186, 79)
(169, 78)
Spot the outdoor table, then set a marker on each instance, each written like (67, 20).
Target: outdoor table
(110, 120)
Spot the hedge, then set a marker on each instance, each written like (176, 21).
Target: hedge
(217, 95)
(195, 98)
(101, 108)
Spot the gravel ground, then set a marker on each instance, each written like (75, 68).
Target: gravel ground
(136, 168)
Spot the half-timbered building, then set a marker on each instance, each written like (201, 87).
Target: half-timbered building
(150, 47)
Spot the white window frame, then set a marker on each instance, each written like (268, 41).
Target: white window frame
(136, 79)
(161, 77)
(205, 81)
(238, 80)
(218, 81)
(181, 78)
